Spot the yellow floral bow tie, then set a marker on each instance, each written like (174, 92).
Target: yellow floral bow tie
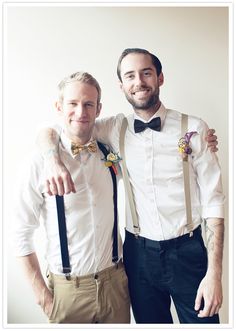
(77, 148)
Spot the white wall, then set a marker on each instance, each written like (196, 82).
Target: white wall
(44, 44)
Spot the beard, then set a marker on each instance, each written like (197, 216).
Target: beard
(144, 104)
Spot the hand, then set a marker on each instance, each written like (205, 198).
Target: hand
(210, 289)
(212, 140)
(59, 180)
(45, 300)
(48, 304)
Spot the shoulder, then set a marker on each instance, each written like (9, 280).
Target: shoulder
(194, 123)
(110, 121)
(197, 124)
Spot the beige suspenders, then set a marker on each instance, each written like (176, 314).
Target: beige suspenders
(128, 188)
(184, 129)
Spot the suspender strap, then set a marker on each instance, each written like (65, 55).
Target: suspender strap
(63, 235)
(184, 129)
(115, 256)
(128, 188)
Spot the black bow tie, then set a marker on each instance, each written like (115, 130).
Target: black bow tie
(140, 126)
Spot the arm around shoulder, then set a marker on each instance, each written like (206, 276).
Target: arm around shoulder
(58, 179)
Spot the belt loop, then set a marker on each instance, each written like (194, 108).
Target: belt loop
(76, 281)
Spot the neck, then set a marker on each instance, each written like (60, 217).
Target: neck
(146, 114)
(82, 140)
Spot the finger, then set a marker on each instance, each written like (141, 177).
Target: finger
(53, 187)
(205, 312)
(213, 149)
(214, 310)
(73, 186)
(215, 307)
(198, 300)
(210, 132)
(67, 184)
(212, 139)
(47, 188)
(60, 186)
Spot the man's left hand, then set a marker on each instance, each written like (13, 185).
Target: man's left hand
(210, 289)
(211, 139)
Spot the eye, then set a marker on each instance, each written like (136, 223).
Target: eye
(73, 104)
(147, 73)
(89, 105)
(129, 76)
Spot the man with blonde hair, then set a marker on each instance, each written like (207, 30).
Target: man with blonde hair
(87, 280)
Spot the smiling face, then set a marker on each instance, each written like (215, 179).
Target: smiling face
(140, 83)
(79, 109)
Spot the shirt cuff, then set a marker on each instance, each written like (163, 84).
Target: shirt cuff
(213, 212)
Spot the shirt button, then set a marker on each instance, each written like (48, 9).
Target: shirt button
(96, 277)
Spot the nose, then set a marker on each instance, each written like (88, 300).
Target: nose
(138, 79)
(79, 110)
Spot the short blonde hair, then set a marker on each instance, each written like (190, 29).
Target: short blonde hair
(80, 76)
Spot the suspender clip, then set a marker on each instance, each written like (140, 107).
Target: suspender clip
(115, 259)
(66, 271)
(136, 231)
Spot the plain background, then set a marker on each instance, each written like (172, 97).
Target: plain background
(45, 43)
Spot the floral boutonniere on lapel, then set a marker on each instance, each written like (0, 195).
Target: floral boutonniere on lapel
(111, 160)
(184, 144)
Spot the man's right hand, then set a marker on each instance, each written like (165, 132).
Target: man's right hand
(46, 301)
(58, 178)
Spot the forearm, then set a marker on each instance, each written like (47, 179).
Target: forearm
(215, 243)
(33, 273)
(47, 142)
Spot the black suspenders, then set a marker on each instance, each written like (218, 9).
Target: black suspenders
(115, 227)
(62, 223)
(66, 269)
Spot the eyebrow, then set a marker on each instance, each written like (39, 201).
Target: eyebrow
(75, 100)
(131, 71)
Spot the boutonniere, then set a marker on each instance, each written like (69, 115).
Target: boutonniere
(184, 144)
(111, 159)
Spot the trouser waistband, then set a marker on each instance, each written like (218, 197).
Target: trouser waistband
(103, 274)
(164, 244)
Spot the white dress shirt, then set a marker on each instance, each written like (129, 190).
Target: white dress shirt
(89, 213)
(156, 174)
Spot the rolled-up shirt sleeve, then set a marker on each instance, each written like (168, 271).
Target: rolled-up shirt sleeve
(208, 172)
(27, 203)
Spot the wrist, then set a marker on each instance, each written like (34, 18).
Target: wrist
(51, 155)
(214, 274)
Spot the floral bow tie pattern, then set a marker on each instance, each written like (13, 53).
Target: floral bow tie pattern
(76, 148)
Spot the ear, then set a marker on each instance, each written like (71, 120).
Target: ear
(99, 108)
(121, 85)
(161, 79)
(58, 106)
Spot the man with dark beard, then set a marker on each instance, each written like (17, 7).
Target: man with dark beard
(164, 253)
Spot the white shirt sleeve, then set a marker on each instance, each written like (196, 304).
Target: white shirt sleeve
(207, 168)
(26, 210)
(107, 131)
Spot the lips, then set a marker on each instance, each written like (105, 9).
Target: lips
(141, 93)
(77, 122)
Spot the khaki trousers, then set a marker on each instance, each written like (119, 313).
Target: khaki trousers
(98, 298)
